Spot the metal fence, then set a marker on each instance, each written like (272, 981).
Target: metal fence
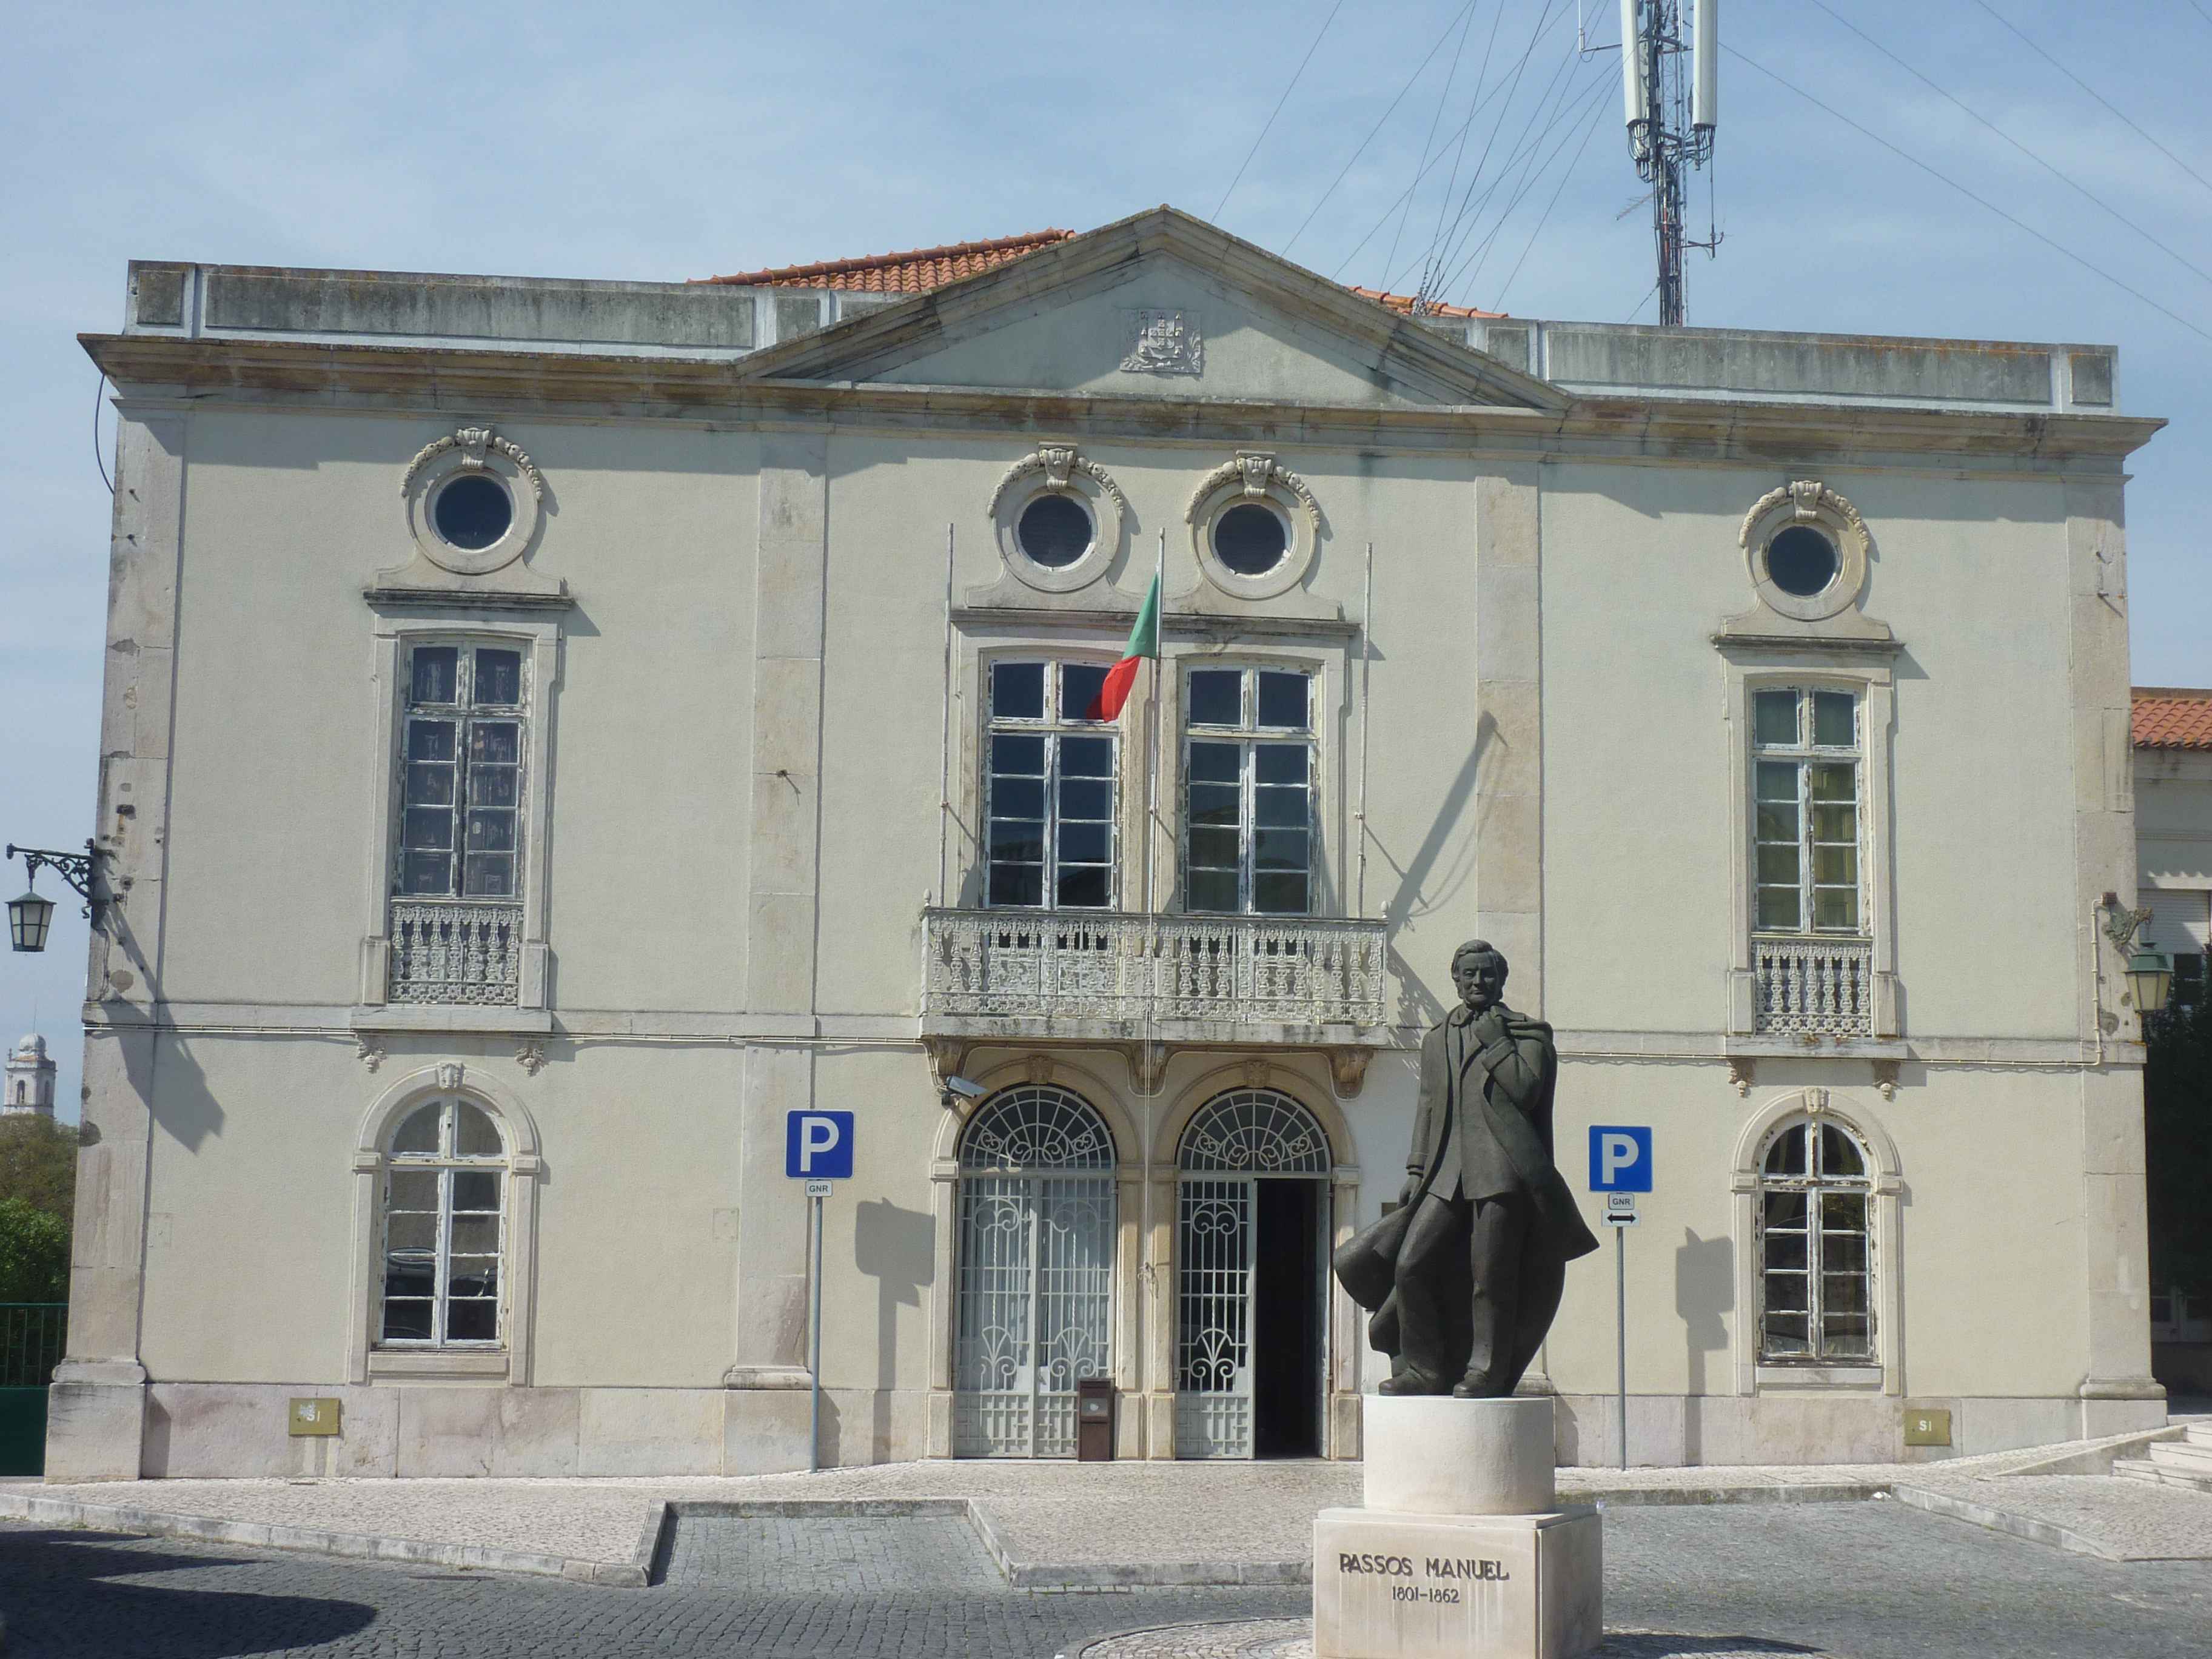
(31, 1337)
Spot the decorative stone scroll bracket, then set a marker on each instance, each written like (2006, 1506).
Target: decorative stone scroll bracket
(1254, 472)
(1885, 1078)
(1347, 1070)
(477, 444)
(1743, 1071)
(1059, 463)
(530, 1057)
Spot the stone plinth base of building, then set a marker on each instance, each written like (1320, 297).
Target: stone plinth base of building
(95, 1420)
(1461, 1548)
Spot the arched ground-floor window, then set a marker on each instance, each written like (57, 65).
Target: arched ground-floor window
(1251, 1240)
(1036, 1241)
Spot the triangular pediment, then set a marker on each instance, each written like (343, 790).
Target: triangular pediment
(1160, 305)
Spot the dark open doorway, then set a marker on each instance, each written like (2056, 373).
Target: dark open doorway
(1287, 1319)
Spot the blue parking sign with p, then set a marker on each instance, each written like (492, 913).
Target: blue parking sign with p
(819, 1146)
(1620, 1158)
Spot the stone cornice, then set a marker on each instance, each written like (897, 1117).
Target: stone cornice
(348, 375)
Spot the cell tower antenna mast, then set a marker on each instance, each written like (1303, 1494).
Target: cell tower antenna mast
(1672, 107)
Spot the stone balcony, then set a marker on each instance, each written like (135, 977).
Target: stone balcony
(1179, 980)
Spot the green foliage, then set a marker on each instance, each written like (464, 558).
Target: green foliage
(34, 1254)
(37, 1164)
(2177, 1144)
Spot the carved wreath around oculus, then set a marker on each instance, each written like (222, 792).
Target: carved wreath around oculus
(1807, 502)
(1061, 470)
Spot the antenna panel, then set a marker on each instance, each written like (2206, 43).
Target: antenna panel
(1705, 65)
(1631, 65)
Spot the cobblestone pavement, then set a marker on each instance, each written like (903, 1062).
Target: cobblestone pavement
(867, 1555)
(1291, 1638)
(1857, 1581)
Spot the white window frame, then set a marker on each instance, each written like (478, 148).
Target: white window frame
(399, 629)
(1802, 755)
(446, 1164)
(1815, 1185)
(511, 1358)
(1752, 666)
(1250, 737)
(1053, 725)
(463, 715)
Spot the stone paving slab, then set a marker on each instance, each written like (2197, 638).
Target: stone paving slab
(2091, 1515)
(1292, 1638)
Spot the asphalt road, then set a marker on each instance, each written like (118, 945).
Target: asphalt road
(1860, 1581)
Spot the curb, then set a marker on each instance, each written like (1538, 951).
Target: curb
(2019, 1526)
(1827, 1492)
(116, 1517)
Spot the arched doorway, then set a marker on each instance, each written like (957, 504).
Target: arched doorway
(1036, 1271)
(1251, 1301)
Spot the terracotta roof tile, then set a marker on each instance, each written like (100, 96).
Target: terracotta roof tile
(914, 272)
(2172, 717)
(927, 268)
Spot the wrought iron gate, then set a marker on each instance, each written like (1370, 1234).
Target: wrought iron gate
(33, 1335)
(1234, 1141)
(1037, 1254)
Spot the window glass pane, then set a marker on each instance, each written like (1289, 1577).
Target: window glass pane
(428, 827)
(1832, 782)
(1086, 798)
(1082, 887)
(430, 740)
(1778, 864)
(472, 1321)
(1023, 755)
(1842, 1211)
(1018, 797)
(1784, 1250)
(1017, 884)
(475, 1189)
(496, 743)
(1086, 757)
(1783, 1209)
(407, 1321)
(1213, 889)
(1778, 781)
(1785, 1335)
(1277, 894)
(1281, 806)
(1780, 822)
(1084, 843)
(1842, 1294)
(1018, 691)
(1280, 849)
(419, 1132)
(493, 786)
(499, 678)
(1787, 1155)
(1080, 684)
(1844, 1253)
(1213, 849)
(474, 1235)
(1835, 823)
(475, 1136)
(413, 1189)
(491, 830)
(1787, 1292)
(1215, 762)
(1835, 719)
(1279, 763)
(410, 1233)
(1774, 717)
(1017, 840)
(427, 873)
(433, 674)
(1836, 866)
(1836, 909)
(1216, 697)
(1778, 910)
(429, 785)
(1284, 700)
(1215, 802)
(489, 875)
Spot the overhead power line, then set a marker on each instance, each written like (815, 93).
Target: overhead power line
(2081, 190)
(1979, 200)
(1467, 11)
(1459, 156)
(1278, 110)
(1471, 267)
(1429, 143)
(2117, 111)
(1589, 132)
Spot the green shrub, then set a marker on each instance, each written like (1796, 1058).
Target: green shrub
(34, 1254)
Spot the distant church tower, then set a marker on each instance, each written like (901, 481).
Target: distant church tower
(29, 1079)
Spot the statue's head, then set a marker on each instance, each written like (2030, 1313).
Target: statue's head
(1478, 970)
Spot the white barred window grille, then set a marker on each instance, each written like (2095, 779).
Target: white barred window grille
(1815, 1245)
(1235, 1140)
(1036, 1256)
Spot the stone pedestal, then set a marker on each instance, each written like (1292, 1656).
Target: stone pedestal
(1462, 1548)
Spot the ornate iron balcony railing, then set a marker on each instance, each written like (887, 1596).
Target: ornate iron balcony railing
(1814, 987)
(455, 950)
(1136, 970)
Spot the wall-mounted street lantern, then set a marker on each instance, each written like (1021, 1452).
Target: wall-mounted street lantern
(30, 916)
(2150, 973)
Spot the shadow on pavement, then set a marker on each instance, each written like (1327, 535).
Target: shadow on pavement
(1650, 1645)
(55, 1604)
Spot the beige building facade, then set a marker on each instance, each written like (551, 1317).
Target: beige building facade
(555, 731)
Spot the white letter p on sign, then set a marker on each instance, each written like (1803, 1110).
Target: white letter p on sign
(819, 1134)
(1614, 1154)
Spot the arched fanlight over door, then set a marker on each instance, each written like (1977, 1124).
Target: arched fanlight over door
(1036, 1271)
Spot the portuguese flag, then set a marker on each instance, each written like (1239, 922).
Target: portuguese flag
(1143, 641)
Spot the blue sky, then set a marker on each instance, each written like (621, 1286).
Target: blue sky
(662, 142)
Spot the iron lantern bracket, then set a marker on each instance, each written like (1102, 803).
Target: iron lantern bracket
(79, 869)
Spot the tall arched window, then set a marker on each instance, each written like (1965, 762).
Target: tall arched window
(1815, 1245)
(1250, 1283)
(444, 1223)
(1037, 1272)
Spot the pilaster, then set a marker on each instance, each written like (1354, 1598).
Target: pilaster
(1509, 845)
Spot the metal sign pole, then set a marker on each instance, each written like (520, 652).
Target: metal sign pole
(1620, 1329)
(814, 1415)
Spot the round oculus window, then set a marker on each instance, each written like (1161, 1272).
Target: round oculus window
(1053, 530)
(472, 511)
(1249, 539)
(1801, 561)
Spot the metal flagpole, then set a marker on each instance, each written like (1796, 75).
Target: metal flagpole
(1160, 665)
(1366, 697)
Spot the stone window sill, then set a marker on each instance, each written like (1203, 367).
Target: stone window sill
(437, 1362)
(455, 1017)
(1865, 1379)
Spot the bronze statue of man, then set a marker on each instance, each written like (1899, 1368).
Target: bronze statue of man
(1464, 1276)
